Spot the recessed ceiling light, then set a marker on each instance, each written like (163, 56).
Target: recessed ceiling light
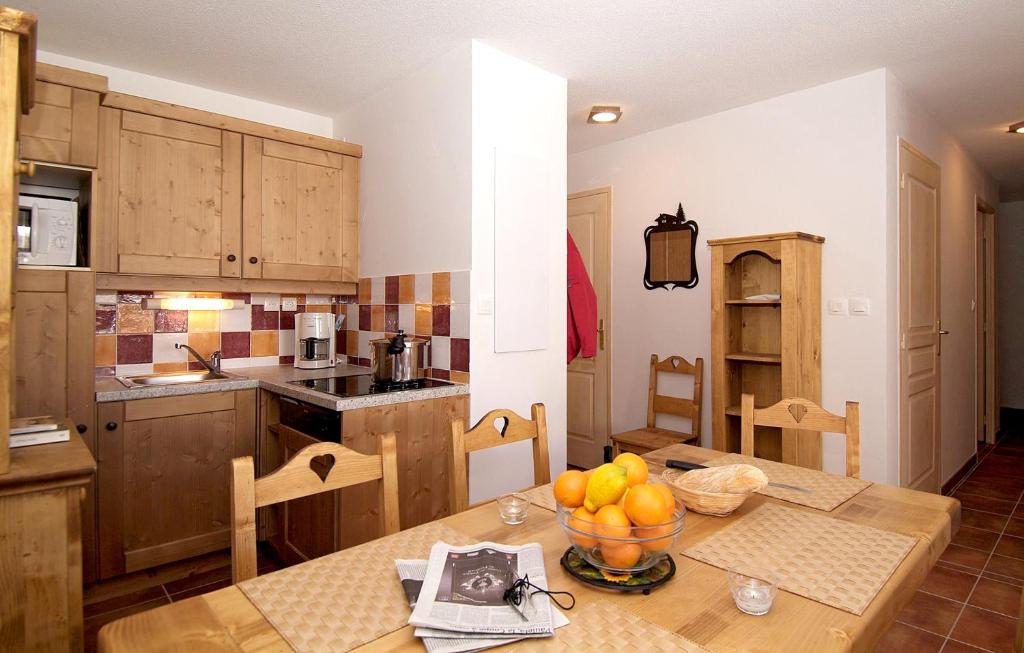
(1017, 128)
(604, 115)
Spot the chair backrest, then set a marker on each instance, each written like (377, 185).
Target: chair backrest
(494, 429)
(296, 479)
(679, 406)
(804, 415)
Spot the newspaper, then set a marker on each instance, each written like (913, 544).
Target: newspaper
(411, 573)
(464, 588)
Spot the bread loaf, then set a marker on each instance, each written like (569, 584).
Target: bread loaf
(729, 479)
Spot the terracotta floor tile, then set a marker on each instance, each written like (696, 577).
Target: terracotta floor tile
(976, 538)
(985, 629)
(931, 613)
(1011, 546)
(953, 646)
(997, 597)
(985, 520)
(949, 583)
(1003, 579)
(961, 555)
(1014, 527)
(996, 489)
(902, 638)
(988, 504)
(1013, 567)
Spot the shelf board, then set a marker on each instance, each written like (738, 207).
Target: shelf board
(732, 410)
(754, 302)
(751, 357)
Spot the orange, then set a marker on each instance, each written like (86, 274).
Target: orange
(621, 556)
(666, 493)
(588, 472)
(636, 468)
(645, 506)
(582, 520)
(611, 521)
(571, 488)
(659, 544)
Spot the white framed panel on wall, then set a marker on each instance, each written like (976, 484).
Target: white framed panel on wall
(521, 277)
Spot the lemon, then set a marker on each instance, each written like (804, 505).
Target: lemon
(607, 485)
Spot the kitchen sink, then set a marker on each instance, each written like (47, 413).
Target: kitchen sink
(172, 378)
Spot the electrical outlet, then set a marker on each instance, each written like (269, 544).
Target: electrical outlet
(272, 303)
(289, 304)
(860, 306)
(838, 306)
(318, 299)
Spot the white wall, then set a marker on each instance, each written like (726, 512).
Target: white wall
(810, 161)
(415, 177)
(522, 109)
(1010, 302)
(963, 181)
(166, 90)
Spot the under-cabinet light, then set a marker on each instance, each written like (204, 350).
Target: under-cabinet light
(188, 303)
(1017, 128)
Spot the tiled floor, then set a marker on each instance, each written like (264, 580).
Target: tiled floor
(109, 600)
(971, 600)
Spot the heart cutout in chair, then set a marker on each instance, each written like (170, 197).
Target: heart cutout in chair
(797, 411)
(675, 363)
(322, 465)
(501, 425)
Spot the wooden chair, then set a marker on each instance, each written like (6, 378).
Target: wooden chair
(640, 441)
(803, 415)
(296, 479)
(485, 435)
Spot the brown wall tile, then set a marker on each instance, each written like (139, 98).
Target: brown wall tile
(364, 291)
(264, 343)
(200, 321)
(106, 350)
(406, 289)
(442, 288)
(132, 319)
(377, 317)
(424, 320)
(171, 321)
(391, 290)
(204, 342)
(135, 348)
(164, 368)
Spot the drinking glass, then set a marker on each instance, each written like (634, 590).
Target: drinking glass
(753, 594)
(513, 507)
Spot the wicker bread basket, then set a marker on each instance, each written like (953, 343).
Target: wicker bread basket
(719, 504)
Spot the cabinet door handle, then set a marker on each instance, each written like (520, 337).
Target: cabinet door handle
(111, 426)
(81, 428)
(231, 258)
(253, 260)
(27, 168)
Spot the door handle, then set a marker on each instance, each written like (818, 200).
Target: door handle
(600, 333)
(943, 332)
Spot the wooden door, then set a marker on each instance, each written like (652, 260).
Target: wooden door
(985, 311)
(179, 196)
(589, 379)
(62, 127)
(300, 213)
(164, 466)
(308, 526)
(920, 373)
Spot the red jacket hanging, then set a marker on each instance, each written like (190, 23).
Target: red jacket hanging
(581, 307)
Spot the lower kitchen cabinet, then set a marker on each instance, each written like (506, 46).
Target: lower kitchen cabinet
(164, 476)
(314, 526)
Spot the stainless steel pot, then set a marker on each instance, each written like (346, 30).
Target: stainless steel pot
(401, 358)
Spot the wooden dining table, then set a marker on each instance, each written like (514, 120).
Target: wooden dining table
(696, 603)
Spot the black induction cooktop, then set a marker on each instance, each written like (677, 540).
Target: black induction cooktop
(363, 384)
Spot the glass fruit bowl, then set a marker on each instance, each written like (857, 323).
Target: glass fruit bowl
(621, 549)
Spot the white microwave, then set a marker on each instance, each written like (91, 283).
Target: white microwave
(47, 231)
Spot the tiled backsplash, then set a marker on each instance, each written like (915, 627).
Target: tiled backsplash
(133, 340)
(432, 306)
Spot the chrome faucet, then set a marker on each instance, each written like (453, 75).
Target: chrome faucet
(213, 365)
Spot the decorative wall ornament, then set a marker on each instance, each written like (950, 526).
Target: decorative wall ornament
(671, 243)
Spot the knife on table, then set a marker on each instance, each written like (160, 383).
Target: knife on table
(682, 464)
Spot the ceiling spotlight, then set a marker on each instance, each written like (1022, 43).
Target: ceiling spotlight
(1017, 128)
(604, 115)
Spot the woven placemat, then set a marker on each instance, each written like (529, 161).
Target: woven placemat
(343, 600)
(541, 496)
(600, 626)
(826, 490)
(828, 560)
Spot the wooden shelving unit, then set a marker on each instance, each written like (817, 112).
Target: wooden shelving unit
(768, 347)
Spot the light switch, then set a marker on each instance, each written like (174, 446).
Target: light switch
(838, 306)
(272, 303)
(860, 306)
(289, 304)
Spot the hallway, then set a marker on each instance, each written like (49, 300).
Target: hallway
(971, 599)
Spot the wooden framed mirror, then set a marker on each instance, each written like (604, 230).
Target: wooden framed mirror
(671, 243)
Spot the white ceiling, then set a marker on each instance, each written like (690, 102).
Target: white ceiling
(664, 61)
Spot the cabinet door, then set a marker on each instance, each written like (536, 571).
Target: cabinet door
(307, 526)
(164, 476)
(178, 206)
(300, 212)
(63, 125)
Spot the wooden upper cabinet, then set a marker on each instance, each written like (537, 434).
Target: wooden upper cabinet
(63, 125)
(300, 212)
(177, 195)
